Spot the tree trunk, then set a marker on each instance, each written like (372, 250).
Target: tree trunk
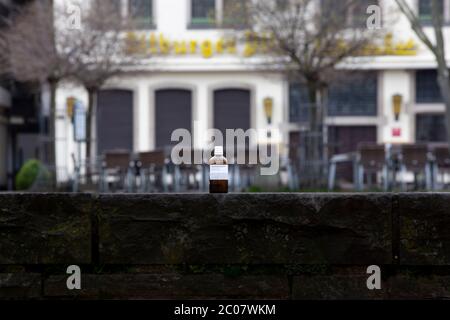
(444, 85)
(313, 164)
(90, 113)
(51, 145)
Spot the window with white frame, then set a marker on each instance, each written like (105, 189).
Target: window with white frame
(353, 14)
(427, 87)
(218, 13)
(425, 11)
(203, 13)
(354, 95)
(357, 14)
(141, 11)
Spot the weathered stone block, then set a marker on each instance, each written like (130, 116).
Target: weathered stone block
(245, 228)
(154, 229)
(170, 286)
(424, 229)
(45, 229)
(419, 287)
(337, 286)
(20, 286)
(311, 228)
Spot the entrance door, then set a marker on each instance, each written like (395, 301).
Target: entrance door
(173, 110)
(114, 120)
(231, 109)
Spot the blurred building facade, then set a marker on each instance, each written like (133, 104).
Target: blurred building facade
(202, 81)
(21, 116)
(5, 105)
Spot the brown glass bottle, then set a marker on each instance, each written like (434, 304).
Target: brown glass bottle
(218, 172)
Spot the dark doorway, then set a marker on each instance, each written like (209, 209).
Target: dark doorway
(173, 110)
(114, 120)
(231, 109)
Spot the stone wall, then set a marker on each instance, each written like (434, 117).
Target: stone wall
(265, 246)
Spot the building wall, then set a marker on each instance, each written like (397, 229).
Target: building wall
(201, 75)
(66, 147)
(396, 82)
(202, 85)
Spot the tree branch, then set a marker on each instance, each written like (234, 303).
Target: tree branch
(416, 24)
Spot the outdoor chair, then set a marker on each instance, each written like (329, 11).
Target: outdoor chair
(415, 158)
(116, 171)
(441, 165)
(334, 162)
(371, 160)
(153, 171)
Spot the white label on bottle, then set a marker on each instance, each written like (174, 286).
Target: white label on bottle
(218, 172)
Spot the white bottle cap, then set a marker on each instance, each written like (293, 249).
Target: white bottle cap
(218, 151)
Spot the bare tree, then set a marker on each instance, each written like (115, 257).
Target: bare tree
(101, 52)
(436, 46)
(5, 11)
(29, 54)
(44, 47)
(308, 39)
